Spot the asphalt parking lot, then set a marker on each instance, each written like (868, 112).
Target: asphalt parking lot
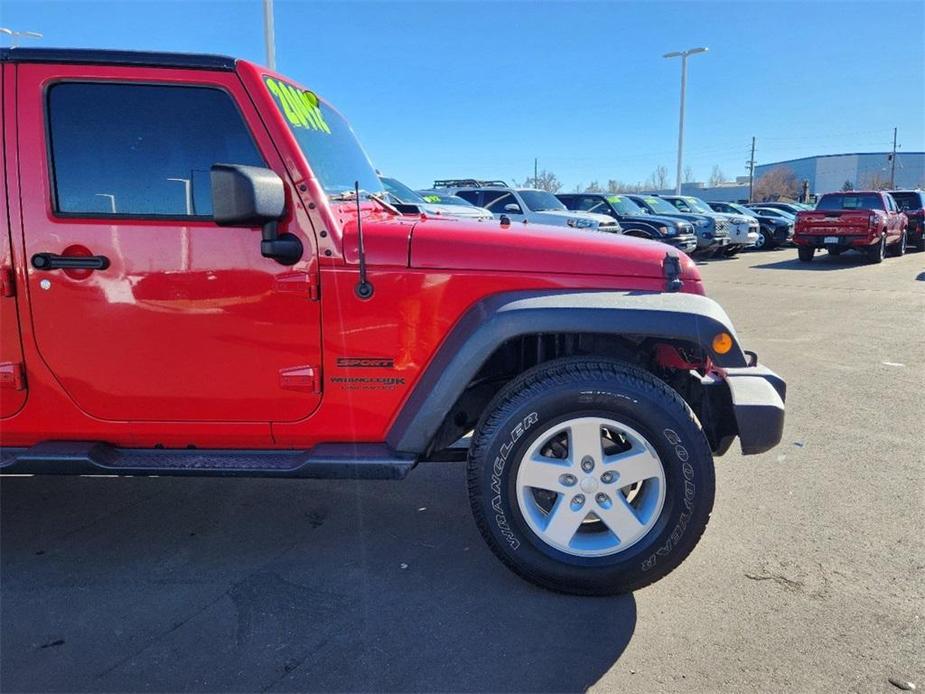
(809, 578)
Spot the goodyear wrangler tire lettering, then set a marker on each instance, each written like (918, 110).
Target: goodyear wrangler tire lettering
(547, 399)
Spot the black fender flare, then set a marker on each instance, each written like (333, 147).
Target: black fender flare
(496, 319)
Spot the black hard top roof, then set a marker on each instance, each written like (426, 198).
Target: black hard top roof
(86, 56)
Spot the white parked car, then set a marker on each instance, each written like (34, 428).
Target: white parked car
(398, 192)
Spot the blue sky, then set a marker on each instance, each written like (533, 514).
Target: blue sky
(446, 89)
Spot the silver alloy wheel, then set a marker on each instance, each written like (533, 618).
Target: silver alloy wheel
(590, 486)
(761, 241)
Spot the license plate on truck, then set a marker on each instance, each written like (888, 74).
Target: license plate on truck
(831, 239)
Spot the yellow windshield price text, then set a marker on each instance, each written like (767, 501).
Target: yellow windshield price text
(300, 106)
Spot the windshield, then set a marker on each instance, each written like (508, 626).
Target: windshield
(540, 200)
(443, 199)
(741, 210)
(624, 205)
(850, 201)
(697, 205)
(659, 206)
(325, 138)
(400, 192)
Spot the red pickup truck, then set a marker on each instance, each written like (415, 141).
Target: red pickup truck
(202, 276)
(912, 204)
(867, 221)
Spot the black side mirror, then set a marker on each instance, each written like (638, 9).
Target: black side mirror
(249, 196)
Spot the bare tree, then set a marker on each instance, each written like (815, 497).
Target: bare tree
(847, 186)
(660, 177)
(876, 181)
(717, 176)
(778, 183)
(688, 174)
(545, 180)
(594, 187)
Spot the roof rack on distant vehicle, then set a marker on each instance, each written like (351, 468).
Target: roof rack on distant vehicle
(468, 183)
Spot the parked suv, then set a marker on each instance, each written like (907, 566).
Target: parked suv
(200, 277)
(775, 227)
(532, 206)
(866, 221)
(912, 204)
(711, 237)
(788, 207)
(743, 230)
(634, 220)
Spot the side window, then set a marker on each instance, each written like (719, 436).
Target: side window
(496, 200)
(470, 196)
(144, 150)
(681, 205)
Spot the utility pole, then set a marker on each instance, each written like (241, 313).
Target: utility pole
(751, 171)
(893, 163)
(536, 174)
(269, 35)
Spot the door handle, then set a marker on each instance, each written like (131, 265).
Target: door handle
(50, 261)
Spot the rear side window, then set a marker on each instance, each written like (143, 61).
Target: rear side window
(469, 195)
(142, 150)
(908, 201)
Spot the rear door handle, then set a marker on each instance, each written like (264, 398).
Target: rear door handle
(50, 261)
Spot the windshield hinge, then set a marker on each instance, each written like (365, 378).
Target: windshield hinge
(7, 282)
(671, 268)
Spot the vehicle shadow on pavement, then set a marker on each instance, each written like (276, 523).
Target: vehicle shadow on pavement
(173, 584)
(821, 263)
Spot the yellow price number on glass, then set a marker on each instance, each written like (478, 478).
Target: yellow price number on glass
(300, 106)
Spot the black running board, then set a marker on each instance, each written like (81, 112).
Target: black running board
(325, 461)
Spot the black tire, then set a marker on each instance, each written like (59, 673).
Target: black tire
(835, 251)
(806, 253)
(765, 242)
(732, 252)
(576, 387)
(920, 242)
(877, 252)
(898, 249)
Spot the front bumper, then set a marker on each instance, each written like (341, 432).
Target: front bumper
(747, 402)
(781, 233)
(758, 396)
(684, 242)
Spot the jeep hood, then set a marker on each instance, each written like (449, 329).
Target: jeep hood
(443, 244)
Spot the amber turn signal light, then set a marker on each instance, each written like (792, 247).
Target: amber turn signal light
(722, 343)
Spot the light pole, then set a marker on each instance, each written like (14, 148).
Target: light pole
(111, 198)
(269, 35)
(15, 34)
(683, 55)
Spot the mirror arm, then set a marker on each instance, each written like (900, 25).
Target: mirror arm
(286, 249)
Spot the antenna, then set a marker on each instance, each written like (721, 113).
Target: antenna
(364, 289)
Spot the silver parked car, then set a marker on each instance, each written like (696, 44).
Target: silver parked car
(531, 206)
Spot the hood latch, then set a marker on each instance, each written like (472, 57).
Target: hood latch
(671, 267)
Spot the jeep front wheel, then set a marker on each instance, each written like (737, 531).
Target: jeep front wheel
(590, 477)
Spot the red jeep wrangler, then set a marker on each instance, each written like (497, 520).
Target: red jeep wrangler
(867, 221)
(201, 277)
